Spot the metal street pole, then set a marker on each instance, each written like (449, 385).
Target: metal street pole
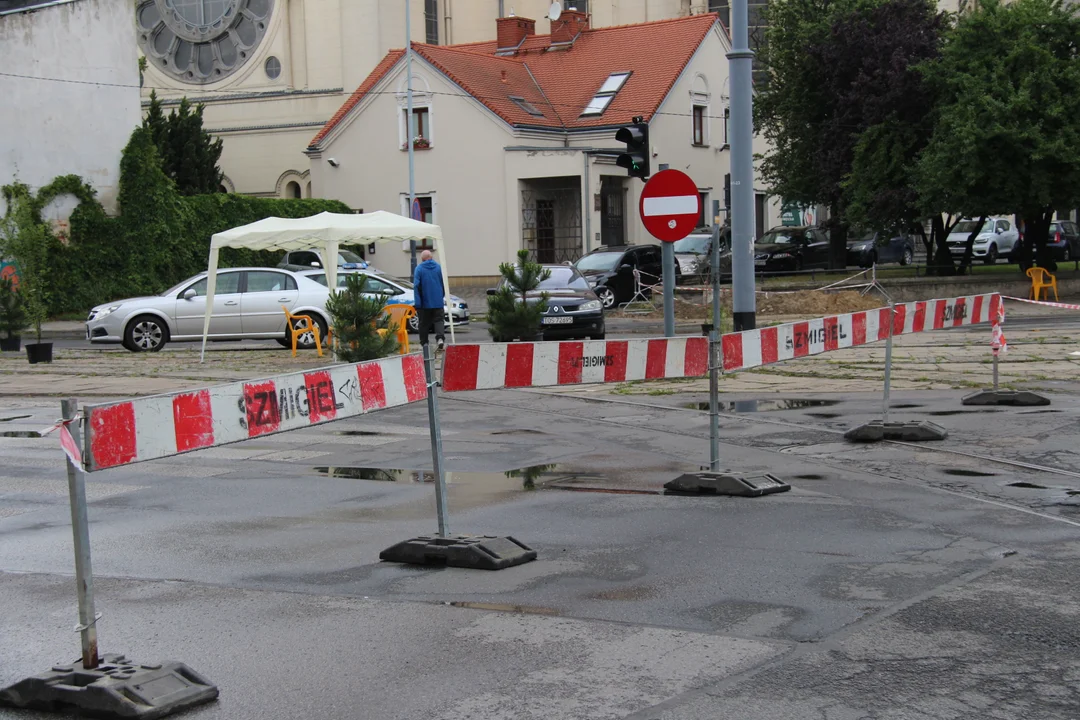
(888, 363)
(668, 257)
(741, 65)
(409, 126)
(80, 530)
(714, 355)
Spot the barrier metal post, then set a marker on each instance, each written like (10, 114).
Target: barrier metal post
(714, 357)
(436, 444)
(80, 530)
(888, 361)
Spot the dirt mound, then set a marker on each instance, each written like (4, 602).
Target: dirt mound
(805, 303)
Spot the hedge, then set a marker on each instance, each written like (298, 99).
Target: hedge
(159, 237)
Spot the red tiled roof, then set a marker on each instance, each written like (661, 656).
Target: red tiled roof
(369, 82)
(561, 82)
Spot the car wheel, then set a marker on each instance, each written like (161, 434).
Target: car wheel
(413, 325)
(991, 255)
(146, 333)
(285, 343)
(907, 257)
(306, 341)
(607, 297)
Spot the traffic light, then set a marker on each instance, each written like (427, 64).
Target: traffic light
(636, 157)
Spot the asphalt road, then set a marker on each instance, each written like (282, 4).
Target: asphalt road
(890, 582)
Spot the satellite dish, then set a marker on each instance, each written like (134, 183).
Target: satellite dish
(554, 11)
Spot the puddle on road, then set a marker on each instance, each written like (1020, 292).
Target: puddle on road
(1029, 486)
(20, 433)
(15, 417)
(904, 406)
(810, 476)
(967, 473)
(751, 406)
(360, 433)
(823, 416)
(519, 432)
(943, 413)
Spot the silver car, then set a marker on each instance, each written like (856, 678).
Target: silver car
(396, 290)
(247, 305)
(997, 238)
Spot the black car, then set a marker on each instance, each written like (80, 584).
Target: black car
(573, 309)
(1064, 240)
(867, 248)
(787, 249)
(609, 270)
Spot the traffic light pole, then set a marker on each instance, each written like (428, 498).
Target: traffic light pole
(741, 60)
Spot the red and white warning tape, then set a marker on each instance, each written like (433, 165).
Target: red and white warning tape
(71, 449)
(1063, 306)
(165, 425)
(753, 348)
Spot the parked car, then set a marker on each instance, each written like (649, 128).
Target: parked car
(573, 309)
(786, 249)
(869, 247)
(997, 238)
(396, 290)
(1063, 240)
(247, 305)
(307, 259)
(609, 270)
(693, 253)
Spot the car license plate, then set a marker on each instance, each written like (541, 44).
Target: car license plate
(759, 263)
(557, 321)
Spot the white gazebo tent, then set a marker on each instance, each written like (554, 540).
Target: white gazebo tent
(326, 232)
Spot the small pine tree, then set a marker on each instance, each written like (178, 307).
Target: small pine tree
(13, 318)
(512, 313)
(357, 319)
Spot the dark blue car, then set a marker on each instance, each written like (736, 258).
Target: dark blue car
(867, 248)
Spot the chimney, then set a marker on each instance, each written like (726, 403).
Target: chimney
(567, 27)
(511, 31)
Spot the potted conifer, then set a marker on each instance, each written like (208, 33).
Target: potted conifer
(515, 309)
(12, 316)
(357, 316)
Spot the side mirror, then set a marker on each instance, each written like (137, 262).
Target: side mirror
(998, 231)
(626, 266)
(316, 264)
(189, 293)
(492, 291)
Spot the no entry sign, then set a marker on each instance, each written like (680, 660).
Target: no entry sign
(670, 205)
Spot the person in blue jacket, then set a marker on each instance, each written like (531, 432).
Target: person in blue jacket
(429, 296)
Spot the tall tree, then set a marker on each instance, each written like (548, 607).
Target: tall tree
(1006, 136)
(898, 108)
(189, 155)
(836, 69)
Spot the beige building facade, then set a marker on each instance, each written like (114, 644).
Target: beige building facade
(499, 169)
(271, 72)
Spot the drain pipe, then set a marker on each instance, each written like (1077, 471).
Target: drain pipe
(448, 21)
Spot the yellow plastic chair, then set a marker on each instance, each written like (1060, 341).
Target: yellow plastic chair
(400, 314)
(1040, 284)
(300, 324)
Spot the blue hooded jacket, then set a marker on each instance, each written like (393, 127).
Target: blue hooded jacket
(428, 289)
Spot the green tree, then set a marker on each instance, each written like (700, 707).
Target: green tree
(357, 320)
(516, 309)
(13, 318)
(189, 155)
(1006, 135)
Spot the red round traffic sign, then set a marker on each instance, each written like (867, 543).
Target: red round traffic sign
(670, 205)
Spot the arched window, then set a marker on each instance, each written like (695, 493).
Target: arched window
(292, 190)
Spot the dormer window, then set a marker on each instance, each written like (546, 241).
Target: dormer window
(605, 94)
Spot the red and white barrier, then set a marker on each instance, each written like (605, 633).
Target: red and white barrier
(164, 425)
(753, 348)
(494, 365)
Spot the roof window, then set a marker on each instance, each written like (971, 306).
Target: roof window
(605, 94)
(526, 106)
